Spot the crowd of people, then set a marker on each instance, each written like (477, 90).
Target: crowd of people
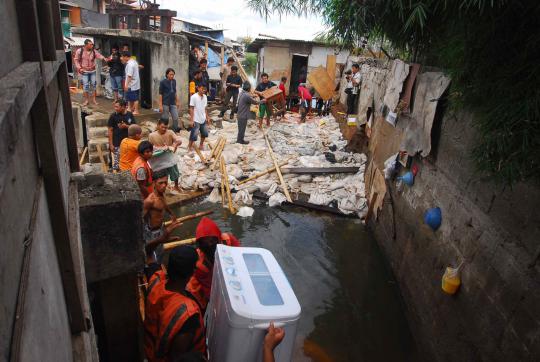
(178, 294)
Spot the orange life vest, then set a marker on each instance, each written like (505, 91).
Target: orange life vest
(200, 283)
(138, 163)
(165, 314)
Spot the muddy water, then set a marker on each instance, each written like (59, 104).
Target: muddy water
(351, 309)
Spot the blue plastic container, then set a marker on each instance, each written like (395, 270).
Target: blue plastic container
(433, 218)
(407, 178)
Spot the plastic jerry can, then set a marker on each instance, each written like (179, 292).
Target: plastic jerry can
(451, 280)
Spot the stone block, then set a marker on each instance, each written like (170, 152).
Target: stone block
(111, 227)
(97, 119)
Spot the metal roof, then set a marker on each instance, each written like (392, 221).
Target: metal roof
(258, 43)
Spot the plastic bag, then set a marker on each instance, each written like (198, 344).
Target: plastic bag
(242, 197)
(276, 199)
(245, 211)
(214, 196)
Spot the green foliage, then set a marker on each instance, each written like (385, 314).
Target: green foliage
(250, 63)
(490, 48)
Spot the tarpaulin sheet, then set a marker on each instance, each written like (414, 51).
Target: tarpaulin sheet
(430, 87)
(396, 77)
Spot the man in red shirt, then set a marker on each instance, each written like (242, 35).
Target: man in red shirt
(305, 100)
(283, 94)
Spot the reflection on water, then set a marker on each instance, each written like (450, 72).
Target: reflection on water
(351, 308)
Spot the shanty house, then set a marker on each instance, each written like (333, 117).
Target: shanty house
(294, 59)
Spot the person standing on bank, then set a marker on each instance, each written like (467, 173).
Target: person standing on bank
(132, 85)
(85, 61)
(225, 72)
(234, 82)
(169, 99)
(264, 109)
(118, 125)
(116, 73)
(353, 87)
(198, 117)
(244, 113)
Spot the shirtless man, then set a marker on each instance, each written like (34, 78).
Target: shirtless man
(154, 208)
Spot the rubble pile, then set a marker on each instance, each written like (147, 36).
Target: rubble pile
(317, 143)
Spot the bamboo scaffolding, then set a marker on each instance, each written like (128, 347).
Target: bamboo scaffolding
(218, 155)
(189, 217)
(227, 186)
(278, 171)
(272, 169)
(215, 148)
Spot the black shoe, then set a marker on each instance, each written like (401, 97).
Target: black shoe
(243, 142)
(221, 115)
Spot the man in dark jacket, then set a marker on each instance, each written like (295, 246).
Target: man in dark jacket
(233, 83)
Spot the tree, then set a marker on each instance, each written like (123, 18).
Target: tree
(489, 48)
(250, 63)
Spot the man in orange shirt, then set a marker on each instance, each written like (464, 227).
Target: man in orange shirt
(128, 147)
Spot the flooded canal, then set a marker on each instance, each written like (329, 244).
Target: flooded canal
(351, 309)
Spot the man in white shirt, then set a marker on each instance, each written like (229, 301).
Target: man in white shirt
(132, 85)
(198, 117)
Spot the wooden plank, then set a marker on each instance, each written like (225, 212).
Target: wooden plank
(283, 183)
(104, 166)
(272, 169)
(223, 57)
(50, 166)
(322, 82)
(307, 205)
(83, 155)
(243, 73)
(371, 206)
(331, 66)
(69, 122)
(319, 170)
(42, 120)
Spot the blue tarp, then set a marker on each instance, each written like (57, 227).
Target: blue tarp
(214, 58)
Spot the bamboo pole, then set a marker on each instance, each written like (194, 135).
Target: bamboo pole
(215, 149)
(278, 171)
(218, 155)
(222, 184)
(174, 244)
(227, 186)
(189, 217)
(83, 155)
(104, 166)
(272, 169)
(243, 73)
(200, 154)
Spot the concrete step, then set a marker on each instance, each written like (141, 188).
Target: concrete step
(97, 119)
(94, 157)
(98, 132)
(103, 141)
